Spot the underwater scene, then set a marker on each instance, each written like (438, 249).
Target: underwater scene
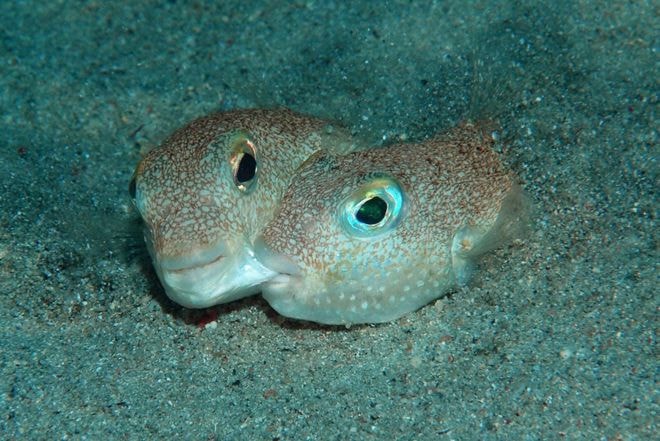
(306, 220)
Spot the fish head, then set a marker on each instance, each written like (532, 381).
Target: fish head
(369, 236)
(209, 189)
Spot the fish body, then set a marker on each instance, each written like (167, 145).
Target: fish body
(369, 236)
(207, 191)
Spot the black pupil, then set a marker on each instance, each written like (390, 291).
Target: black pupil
(247, 167)
(372, 211)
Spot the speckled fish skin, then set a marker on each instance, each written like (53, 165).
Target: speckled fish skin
(458, 202)
(199, 225)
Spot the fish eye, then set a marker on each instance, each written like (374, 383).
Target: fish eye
(373, 209)
(247, 168)
(243, 163)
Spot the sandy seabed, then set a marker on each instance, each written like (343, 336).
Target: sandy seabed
(554, 338)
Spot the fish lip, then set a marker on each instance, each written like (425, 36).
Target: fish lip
(281, 281)
(180, 264)
(200, 265)
(211, 276)
(278, 262)
(281, 278)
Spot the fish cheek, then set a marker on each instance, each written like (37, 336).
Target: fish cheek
(363, 263)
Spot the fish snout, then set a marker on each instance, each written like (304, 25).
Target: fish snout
(200, 278)
(275, 261)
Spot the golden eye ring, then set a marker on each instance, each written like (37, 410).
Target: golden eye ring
(243, 161)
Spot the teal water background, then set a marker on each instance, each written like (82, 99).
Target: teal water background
(555, 338)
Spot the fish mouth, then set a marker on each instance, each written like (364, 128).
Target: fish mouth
(171, 267)
(183, 262)
(281, 264)
(285, 292)
(214, 275)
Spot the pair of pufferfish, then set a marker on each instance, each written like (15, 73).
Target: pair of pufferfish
(272, 201)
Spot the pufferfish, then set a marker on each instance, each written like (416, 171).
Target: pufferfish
(211, 187)
(372, 235)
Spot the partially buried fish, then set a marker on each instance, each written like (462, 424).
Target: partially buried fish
(211, 187)
(369, 236)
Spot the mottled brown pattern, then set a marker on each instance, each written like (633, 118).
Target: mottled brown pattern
(450, 182)
(200, 220)
(185, 191)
